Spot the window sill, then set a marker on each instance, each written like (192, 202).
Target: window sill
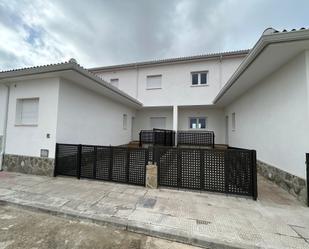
(155, 88)
(204, 85)
(26, 125)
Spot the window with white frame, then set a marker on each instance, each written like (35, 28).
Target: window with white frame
(114, 82)
(233, 121)
(125, 121)
(27, 111)
(199, 78)
(197, 123)
(154, 82)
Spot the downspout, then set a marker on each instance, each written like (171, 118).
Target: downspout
(220, 71)
(5, 126)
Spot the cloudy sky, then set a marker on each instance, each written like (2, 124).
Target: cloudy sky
(105, 32)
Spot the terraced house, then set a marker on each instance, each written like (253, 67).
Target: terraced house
(255, 99)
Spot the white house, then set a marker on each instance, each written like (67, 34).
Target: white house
(255, 99)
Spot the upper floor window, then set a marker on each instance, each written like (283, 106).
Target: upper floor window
(27, 111)
(197, 123)
(114, 82)
(199, 78)
(154, 82)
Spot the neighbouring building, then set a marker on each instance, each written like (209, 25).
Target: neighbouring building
(255, 99)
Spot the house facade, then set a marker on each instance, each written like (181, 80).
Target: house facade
(255, 99)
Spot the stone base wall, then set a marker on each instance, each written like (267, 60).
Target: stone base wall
(29, 165)
(295, 185)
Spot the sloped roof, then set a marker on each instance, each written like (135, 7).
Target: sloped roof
(270, 37)
(70, 65)
(172, 60)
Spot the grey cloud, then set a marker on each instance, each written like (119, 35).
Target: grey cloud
(110, 32)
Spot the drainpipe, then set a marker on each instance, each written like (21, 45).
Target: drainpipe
(5, 126)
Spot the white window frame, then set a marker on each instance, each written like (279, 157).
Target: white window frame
(233, 121)
(199, 73)
(19, 112)
(125, 121)
(154, 76)
(197, 121)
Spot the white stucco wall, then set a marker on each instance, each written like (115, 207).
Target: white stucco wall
(85, 117)
(142, 119)
(272, 118)
(215, 120)
(3, 96)
(177, 87)
(29, 140)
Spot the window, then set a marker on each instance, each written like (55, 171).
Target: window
(125, 121)
(158, 122)
(197, 123)
(154, 81)
(27, 111)
(233, 121)
(114, 82)
(199, 78)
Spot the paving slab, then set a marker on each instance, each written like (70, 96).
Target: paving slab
(198, 218)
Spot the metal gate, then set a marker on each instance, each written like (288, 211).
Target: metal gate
(231, 171)
(118, 164)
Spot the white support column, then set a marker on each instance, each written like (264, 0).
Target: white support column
(175, 121)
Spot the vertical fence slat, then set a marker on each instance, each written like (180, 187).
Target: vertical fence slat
(202, 169)
(307, 169)
(95, 154)
(79, 160)
(254, 175)
(111, 152)
(127, 165)
(179, 162)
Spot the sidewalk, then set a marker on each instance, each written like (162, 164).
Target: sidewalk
(203, 219)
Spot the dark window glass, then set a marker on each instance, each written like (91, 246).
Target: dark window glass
(194, 79)
(202, 123)
(193, 123)
(203, 78)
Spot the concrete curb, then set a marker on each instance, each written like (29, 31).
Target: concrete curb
(131, 226)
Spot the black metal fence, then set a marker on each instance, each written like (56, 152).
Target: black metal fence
(196, 138)
(157, 137)
(307, 169)
(119, 164)
(231, 171)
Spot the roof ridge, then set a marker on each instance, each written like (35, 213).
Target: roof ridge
(175, 59)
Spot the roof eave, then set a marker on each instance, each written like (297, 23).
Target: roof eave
(61, 67)
(262, 43)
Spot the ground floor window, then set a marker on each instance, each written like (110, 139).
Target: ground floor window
(197, 123)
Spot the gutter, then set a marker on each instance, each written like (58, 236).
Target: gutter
(5, 126)
(258, 48)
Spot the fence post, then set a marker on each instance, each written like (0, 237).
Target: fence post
(307, 169)
(213, 140)
(254, 176)
(110, 172)
(94, 172)
(56, 160)
(140, 139)
(79, 160)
